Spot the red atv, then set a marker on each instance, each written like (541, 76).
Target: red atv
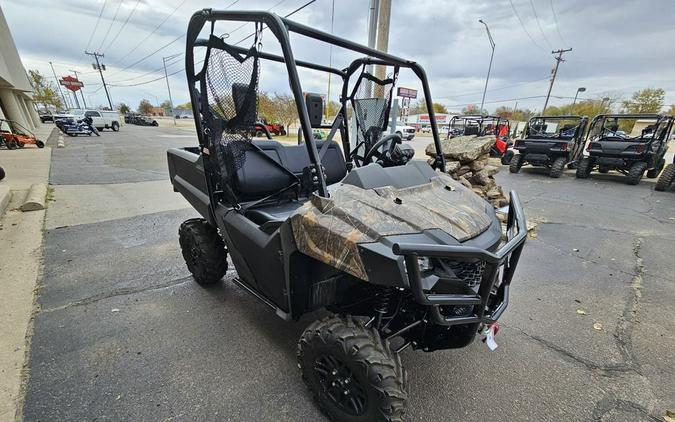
(485, 125)
(273, 128)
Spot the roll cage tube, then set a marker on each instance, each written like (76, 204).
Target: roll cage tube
(657, 118)
(280, 27)
(581, 126)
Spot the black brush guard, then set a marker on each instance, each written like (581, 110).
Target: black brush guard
(505, 259)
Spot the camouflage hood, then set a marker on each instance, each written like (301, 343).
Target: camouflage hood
(329, 229)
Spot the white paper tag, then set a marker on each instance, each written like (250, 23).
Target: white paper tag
(490, 339)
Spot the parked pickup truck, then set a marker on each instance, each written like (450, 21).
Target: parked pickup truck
(102, 119)
(405, 132)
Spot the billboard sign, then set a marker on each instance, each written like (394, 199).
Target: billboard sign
(71, 83)
(406, 92)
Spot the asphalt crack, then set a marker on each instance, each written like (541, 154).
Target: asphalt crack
(117, 292)
(606, 405)
(629, 317)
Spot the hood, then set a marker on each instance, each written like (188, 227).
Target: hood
(329, 229)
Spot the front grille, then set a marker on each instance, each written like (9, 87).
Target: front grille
(469, 272)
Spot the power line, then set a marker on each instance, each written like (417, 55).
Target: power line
(558, 60)
(466, 94)
(133, 10)
(557, 27)
(285, 16)
(152, 80)
(536, 18)
(152, 32)
(91, 37)
(522, 25)
(150, 72)
(149, 55)
(105, 37)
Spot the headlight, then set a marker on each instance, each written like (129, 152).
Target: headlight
(425, 263)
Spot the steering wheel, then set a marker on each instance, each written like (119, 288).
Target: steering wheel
(394, 139)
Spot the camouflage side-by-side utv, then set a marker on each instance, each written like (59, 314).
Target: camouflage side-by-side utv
(631, 144)
(551, 142)
(397, 252)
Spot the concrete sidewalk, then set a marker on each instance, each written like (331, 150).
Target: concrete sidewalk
(20, 263)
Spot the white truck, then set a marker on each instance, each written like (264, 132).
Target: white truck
(102, 119)
(405, 132)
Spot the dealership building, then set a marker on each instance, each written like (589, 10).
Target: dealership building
(16, 101)
(421, 120)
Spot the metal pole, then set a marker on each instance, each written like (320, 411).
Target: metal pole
(81, 90)
(558, 59)
(100, 71)
(58, 85)
(166, 76)
(330, 54)
(581, 89)
(492, 45)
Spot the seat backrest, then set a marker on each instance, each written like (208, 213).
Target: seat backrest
(259, 176)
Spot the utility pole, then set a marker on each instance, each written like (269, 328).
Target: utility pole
(81, 90)
(372, 36)
(558, 59)
(492, 55)
(97, 66)
(166, 76)
(58, 84)
(383, 18)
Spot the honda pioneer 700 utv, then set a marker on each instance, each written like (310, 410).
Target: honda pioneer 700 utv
(629, 143)
(478, 125)
(399, 254)
(551, 142)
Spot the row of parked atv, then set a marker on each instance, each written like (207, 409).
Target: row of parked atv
(632, 144)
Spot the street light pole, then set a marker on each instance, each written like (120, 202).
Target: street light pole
(581, 89)
(81, 91)
(58, 85)
(492, 54)
(166, 76)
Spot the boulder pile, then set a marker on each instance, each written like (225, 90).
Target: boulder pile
(467, 161)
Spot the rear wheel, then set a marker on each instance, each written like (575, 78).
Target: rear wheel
(352, 373)
(20, 144)
(654, 173)
(11, 145)
(115, 126)
(584, 168)
(557, 167)
(516, 163)
(2, 173)
(40, 144)
(603, 170)
(635, 173)
(203, 250)
(507, 157)
(666, 179)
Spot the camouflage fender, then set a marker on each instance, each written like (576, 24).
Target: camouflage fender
(330, 229)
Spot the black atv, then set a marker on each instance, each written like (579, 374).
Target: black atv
(632, 144)
(478, 125)
(552, 142)
(667, 177)
(399, 254)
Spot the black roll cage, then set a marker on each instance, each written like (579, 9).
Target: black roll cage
(578, 133)
(281, 27)
(658, 120)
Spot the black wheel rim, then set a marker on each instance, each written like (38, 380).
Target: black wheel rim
(340, 385)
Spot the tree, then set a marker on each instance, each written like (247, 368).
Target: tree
(473, 109)
(332, 109)
(285, 109)
(419, 106)
(185, 106)
(648, 100)
(440, 108)
(165, 104)
(44, 91)
(123, 108)
(145, 107)
(588, 108)
(519, 115)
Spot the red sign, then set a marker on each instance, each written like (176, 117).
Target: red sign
(406, 92)
(440, 118)
(71, 83)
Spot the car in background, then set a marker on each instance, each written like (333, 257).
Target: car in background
(426, 129)
(46, 116)
(406, 133)
(101, 119)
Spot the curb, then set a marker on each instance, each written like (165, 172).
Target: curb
(5, 196)
(35, 200)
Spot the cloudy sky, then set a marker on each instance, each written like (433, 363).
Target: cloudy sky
(619, 46)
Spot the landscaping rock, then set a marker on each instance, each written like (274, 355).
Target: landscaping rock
(463, 148)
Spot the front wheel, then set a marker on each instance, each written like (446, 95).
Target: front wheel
(352, 373)
(557, 167)
(516, 163)
(654, 173)
(40, 144)
(584, 168)
(203, 250)
(507, 157)
(115, 126)
(635, 173)
(666, 179)
(2, 173)
(11, 145)
(283, 132)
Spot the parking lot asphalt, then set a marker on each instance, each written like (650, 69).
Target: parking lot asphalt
(123, 333)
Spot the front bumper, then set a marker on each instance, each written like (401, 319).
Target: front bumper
(500, 264)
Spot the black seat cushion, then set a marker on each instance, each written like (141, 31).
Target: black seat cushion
(270, 217)
(259, 176)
